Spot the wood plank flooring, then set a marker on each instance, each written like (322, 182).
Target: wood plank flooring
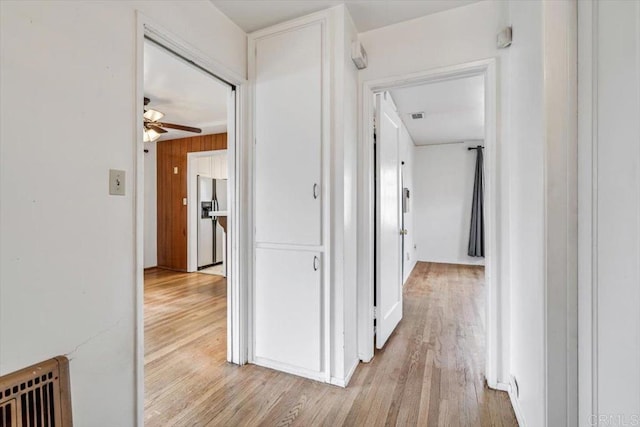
(428, 374)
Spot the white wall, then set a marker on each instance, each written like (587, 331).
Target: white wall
(350, 103)
(609, 215)
(67, 267)
(447, 38)
(542, 160)
(527, 227)
(533, 126)
(442, 194)
(560, 212)
(453, 37)
(150, 205)
(344, 202)
(407, 156)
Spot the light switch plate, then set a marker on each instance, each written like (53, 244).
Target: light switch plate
(116, 182)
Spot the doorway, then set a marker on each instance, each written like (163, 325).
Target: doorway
(179, 296)
(185, 309)
(405, 255)
(207, 210)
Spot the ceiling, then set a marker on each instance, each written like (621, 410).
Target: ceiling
(252, 15)
(454, 110)
(185, 94)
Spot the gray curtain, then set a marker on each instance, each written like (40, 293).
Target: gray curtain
(476, 234)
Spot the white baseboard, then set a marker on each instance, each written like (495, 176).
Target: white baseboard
(499, 386)
(455, 262)
(339, 382)
(351, 371)
(510, 388)
(294, 370)
(364, 359)
(516, 406)
(344, 382)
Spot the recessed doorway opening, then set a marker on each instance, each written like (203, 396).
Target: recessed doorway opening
(207, 210)
(418, 176)
(189, 323)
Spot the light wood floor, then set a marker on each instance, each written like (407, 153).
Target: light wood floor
(428, 374)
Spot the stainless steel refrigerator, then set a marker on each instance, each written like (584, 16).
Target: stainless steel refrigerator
(212, 203)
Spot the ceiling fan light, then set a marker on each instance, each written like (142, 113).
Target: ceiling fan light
(153, 115)
(150, 135)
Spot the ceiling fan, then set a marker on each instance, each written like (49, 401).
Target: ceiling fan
(154, 128)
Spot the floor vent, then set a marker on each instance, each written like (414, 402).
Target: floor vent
(37, 396)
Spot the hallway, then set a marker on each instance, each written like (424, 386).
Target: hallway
(429, 373)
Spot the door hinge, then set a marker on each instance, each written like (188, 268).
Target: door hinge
(375, 313)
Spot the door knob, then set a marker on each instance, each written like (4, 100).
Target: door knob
(316, 263)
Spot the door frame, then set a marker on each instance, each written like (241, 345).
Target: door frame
(239, 170)
(495, 312)
(192, 209)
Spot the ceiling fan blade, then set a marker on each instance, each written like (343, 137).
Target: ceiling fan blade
(179, 127)
(155, 127)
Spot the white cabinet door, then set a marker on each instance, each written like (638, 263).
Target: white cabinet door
(204, 166)
(288, 126)
(287, 308)
(389, 208)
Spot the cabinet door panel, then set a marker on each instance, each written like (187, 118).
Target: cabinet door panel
(287, 308)
(288, 124)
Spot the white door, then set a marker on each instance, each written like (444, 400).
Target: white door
(389, 220)
(288, 126)
(287, 309)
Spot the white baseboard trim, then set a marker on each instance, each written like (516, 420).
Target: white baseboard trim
(344, 382)
(337, 382)
(454, 262)
(406, 279)
(362, 358)
(516, 406)
(352, 371)
(499, 386)
(293, 370)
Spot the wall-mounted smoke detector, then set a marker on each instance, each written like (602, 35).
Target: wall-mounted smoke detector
(505, 37)
(416, 116)
(359, 55)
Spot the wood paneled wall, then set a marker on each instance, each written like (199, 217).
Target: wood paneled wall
(172, 189)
